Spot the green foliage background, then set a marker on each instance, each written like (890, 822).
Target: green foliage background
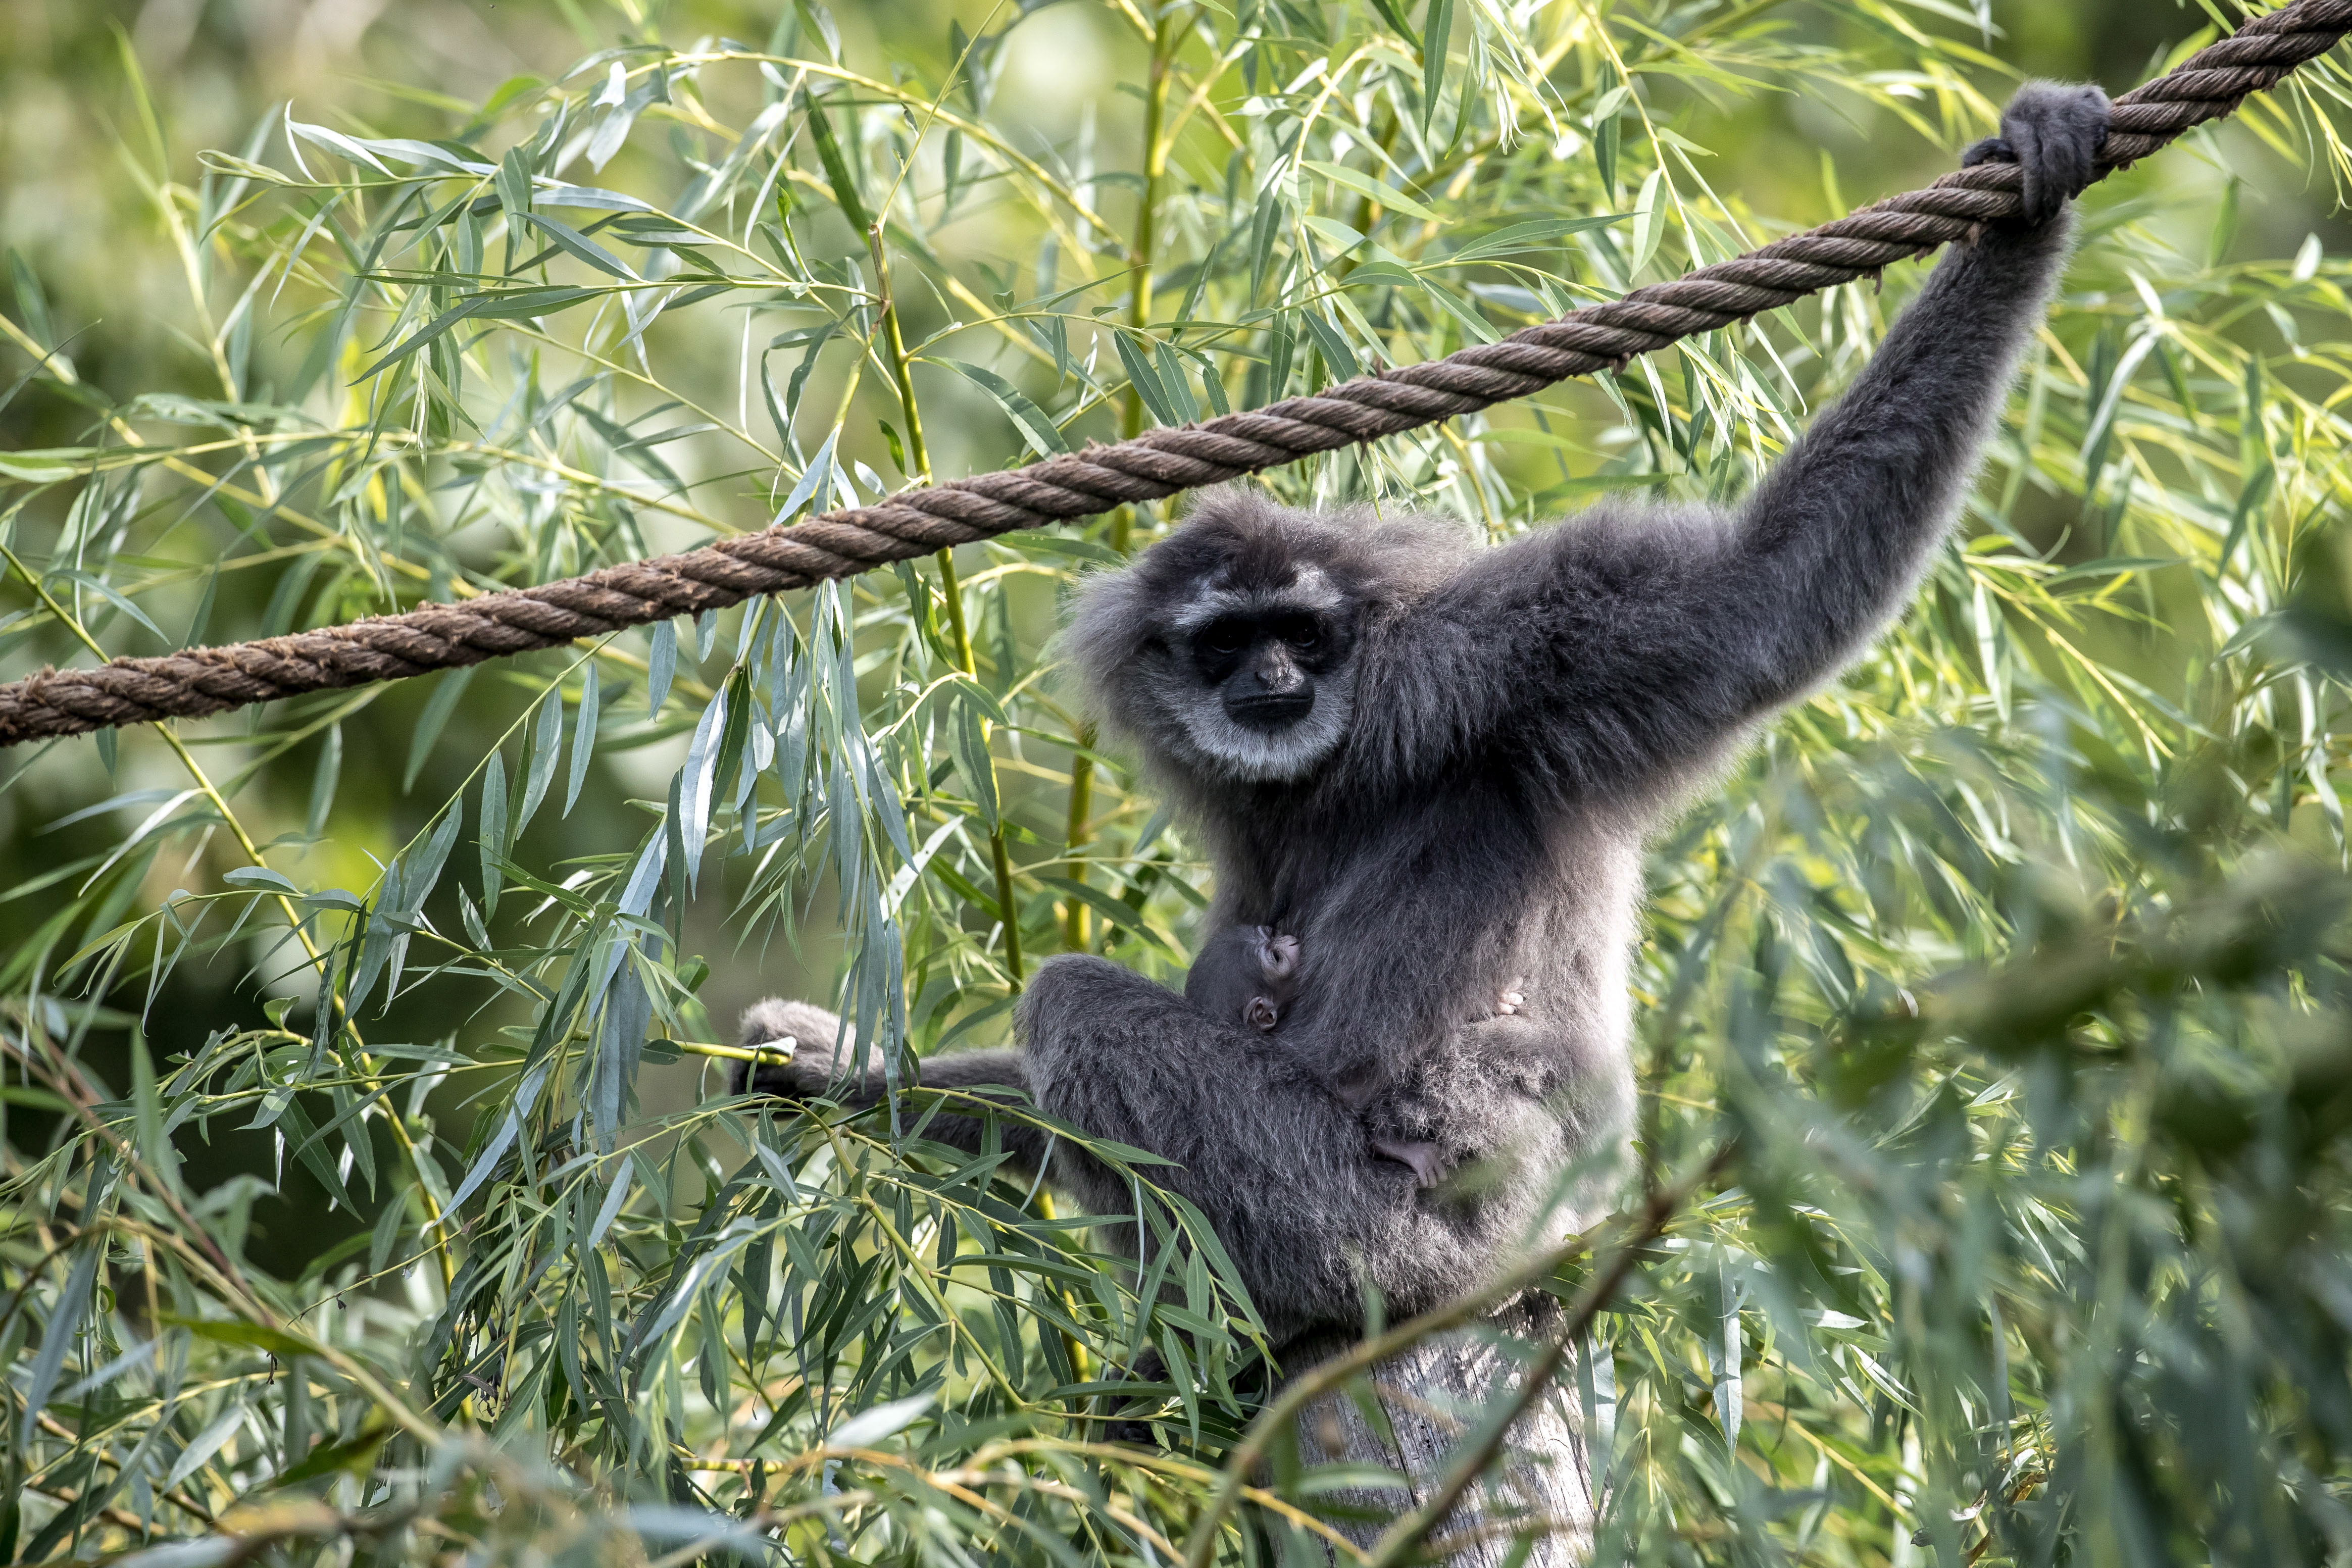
(371, 1188)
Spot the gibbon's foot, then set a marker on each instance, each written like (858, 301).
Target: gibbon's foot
(1514, 997)
(806, 1030)
(1277, 955)
(2054, 131)
(1427, 1165)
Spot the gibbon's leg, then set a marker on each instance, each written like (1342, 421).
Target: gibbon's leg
(1282, 1169)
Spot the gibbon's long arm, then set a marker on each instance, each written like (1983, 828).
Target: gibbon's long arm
(1622, 646)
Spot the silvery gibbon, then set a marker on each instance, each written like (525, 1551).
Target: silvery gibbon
(1429, 768)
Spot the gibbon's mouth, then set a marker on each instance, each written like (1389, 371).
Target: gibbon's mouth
(1272, 711)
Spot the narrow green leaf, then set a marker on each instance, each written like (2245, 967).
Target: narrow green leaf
(1175, 383)
(525, 1095)
(46, 466)
(546, 745)
(870, 1426)
(354, 1455)
(1538, 234)
(514, 187)
(324, 779)
(32, 300)
(1375, 191)
(425, 335)
(1336, 355)
(510, 303)
(58, 1337)
(147, 1112)
(1282, 347)
(106, 591)
(694, 781)
(661, 663)
(581, 246)
(1146, 379)
(259, 876)
(215, 1436)
(584, 737)
(297, 1128)
(338, 144)
(230, 1331)
(1436, 36)
(836, 169)
(2251, 499)
(1392, 13)
(492, 834)
(1649, 221)
(968, 741)
(1037, 427)
(1110, 908)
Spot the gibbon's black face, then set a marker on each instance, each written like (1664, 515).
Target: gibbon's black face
(1265, 668)
(1229, 653)
(1269, 674)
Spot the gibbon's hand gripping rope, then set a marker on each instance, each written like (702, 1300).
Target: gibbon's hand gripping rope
(1157, 463)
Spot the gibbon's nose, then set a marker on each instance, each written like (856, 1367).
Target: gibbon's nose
(1273, 695)
(1272, 674)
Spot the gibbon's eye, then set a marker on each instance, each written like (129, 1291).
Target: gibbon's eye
(1226, 636)
(1301, 631)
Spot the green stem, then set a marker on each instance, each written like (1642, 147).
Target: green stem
(765, 1055)
(1142, 260)
(1082, 799)
(919, 455)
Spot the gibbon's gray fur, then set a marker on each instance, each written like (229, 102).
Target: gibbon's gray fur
(1247, 974)
(1436, 765)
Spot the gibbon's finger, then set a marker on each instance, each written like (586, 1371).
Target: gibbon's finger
(2068, 156)
(1991, 149)
(2025, 136)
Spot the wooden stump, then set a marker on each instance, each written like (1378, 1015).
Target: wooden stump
(1434, 1397)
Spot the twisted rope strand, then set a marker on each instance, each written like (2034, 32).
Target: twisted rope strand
(196, 682)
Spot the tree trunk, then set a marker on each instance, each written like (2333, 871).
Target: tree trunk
(1434, 1397)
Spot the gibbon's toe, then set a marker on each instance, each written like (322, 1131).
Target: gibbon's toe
(1281, 957)
(808, 1031)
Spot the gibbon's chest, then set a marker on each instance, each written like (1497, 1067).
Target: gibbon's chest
(1442, 865)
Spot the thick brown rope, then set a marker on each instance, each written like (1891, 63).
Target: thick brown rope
(1159, 463)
